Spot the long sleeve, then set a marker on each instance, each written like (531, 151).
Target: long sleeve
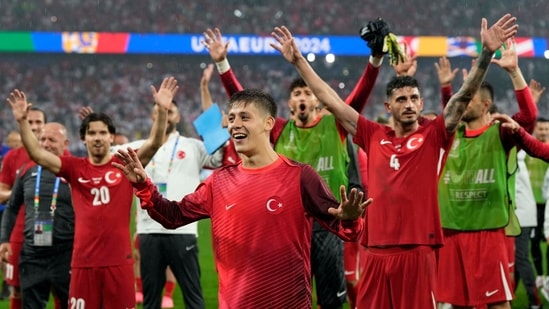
(446, 94)
(173, 214)
(317, 199)
(358, 98)
(528, 111)
(230, 83)
(532, 145)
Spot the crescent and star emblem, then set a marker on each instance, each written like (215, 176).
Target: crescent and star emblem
(274, 205)
(110, 180)
(414, 142)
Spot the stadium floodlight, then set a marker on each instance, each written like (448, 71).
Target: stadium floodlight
(330, 58)
(546, 54)
(311, 57)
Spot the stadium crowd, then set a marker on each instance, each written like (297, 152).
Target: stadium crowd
(253, 16)
(61, 84)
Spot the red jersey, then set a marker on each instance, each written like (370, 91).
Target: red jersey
(102, 200)
(403, 178)
(261, 228)
(11, 163)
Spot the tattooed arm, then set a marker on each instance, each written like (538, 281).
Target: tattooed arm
(492, 38)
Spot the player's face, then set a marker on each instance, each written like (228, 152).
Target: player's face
(405, 105)
(541, 131)
(475, 109)
(303, 103)
(36, 122)
(53, 140)
(98, 140)
(248, 127)
(173, 117)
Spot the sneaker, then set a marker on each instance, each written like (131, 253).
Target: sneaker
(167, 302)
(539, 281)
(139, 297)
(545, 288)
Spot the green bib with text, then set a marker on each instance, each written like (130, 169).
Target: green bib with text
(476, 181)
(319, 146)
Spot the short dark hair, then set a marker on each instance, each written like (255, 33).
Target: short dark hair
(36, 109)
(96, 117)
(487, 89)
(297, 83)
(261, 99)
(398, 82)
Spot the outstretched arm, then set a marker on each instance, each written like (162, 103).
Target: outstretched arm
(162, 100)
(218, 52)
(205, 95)
(351, 206)
(20, 108)
(528, 111)
(529, 143)
(345, 114)
(492, 38)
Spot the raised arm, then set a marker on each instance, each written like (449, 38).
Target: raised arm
(205, 95)
(20, 108)
(445, 75)
(528, 111)
(162, 100)
(213, 41)
(345, 114)
(536, 89)
(492, 38)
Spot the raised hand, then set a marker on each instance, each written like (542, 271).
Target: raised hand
(286, 44)
(207, 74)
(214, 43)
(132, 167)
(536, 89)
(509, 58)
(492, 38)
(444, 71)
(350, 208)
(164, 96)
(84, 111)
(407, 67)
(19, 105)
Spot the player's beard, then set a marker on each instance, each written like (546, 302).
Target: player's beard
(170, 127)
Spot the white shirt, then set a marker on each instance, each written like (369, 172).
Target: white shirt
(188, 156)
(526, 205)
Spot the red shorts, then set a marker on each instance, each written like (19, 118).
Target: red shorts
(352, 259)
(473, 268)
(510, 244)
(398, 277)
(12, 266)
(102, 287)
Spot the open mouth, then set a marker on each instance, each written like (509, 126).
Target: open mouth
(239, 136)
(302, 107)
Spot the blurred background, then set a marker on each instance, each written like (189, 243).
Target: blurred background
(118, 83)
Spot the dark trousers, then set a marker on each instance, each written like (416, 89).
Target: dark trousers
(40, 275)
(180, 252)
(537, 238)
(523, 266)
(327, 268)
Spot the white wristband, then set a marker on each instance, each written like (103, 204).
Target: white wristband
(223, 66)
(376, 62)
